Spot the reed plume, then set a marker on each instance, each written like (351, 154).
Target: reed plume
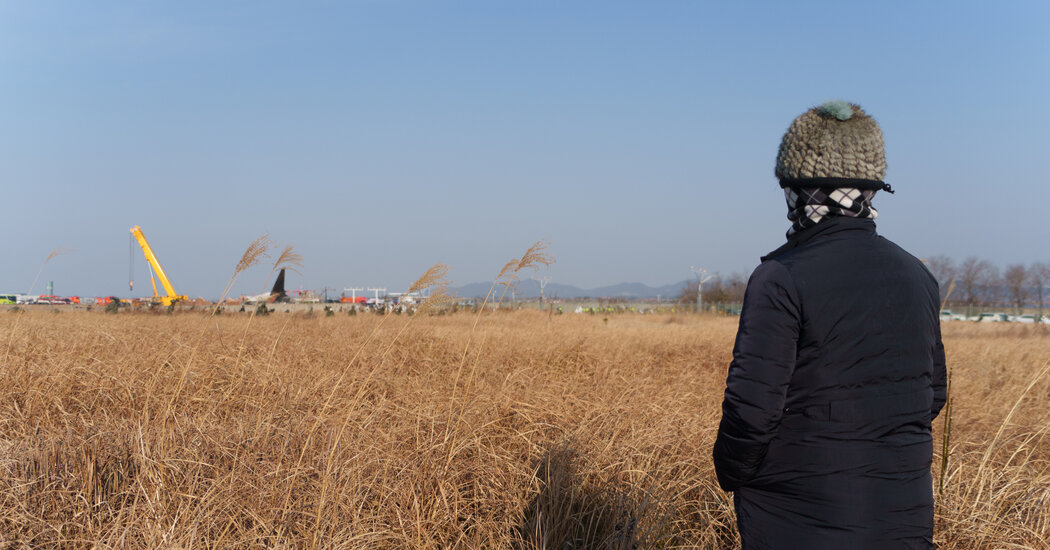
(288, 259)
(256, 251)
(507, 276)
(434, 282)
(56, 252)
(535, 256)
(434, 276)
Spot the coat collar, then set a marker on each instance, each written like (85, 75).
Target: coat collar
(824, 229)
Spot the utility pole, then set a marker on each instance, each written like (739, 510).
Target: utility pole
(377, 291)
(353, 293)
(543, 284)
(700, 280)
(326, 289)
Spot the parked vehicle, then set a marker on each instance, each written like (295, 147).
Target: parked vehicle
(380, 303)
(8, 299)
(993, 318)
(949, 315)
(1030, 318)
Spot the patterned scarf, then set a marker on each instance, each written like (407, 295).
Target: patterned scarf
(808, 206)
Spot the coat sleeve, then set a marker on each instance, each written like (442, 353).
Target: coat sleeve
(756, 387)
(939, 376)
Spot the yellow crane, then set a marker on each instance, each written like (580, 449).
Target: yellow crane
(151, 259)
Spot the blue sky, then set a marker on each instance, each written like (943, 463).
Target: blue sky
(382, 137)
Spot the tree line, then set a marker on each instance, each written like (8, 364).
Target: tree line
(973, 284)
(717, 290)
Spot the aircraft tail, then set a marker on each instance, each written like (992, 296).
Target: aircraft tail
(278, 294)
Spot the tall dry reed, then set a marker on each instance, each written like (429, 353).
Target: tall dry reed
(574, 432)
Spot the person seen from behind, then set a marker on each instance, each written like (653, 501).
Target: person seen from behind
(838, 367)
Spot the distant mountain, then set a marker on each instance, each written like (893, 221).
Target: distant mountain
(531, 289)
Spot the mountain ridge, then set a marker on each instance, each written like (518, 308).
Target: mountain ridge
(531, 289)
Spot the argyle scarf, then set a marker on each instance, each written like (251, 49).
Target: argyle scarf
(807, 206)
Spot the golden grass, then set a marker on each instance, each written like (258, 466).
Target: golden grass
(295, 431)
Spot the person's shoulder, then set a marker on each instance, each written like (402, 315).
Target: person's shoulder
(771, 269)
(782, 255)
(909, 259)
(786, 259)
(770, 281)
(900, 251)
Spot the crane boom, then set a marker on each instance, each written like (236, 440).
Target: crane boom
(151, 259)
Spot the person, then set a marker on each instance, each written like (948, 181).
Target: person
(838, 368)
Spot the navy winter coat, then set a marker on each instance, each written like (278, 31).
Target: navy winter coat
(838, 371)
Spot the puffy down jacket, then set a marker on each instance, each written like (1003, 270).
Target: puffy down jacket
(838, 371)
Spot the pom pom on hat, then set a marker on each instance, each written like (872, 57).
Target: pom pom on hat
(836, 108)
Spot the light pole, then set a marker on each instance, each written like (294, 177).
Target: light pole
(377, 291)
(700, 280)
(543, 284)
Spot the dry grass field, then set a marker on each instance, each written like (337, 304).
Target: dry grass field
(526, 431)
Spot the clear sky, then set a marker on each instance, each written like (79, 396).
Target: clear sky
(381, 137)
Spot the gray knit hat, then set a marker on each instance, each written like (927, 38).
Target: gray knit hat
(831, 143)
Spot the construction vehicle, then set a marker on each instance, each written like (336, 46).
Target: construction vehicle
(170, 296)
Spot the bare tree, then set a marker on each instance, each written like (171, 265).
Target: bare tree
(944, 270)
(713, 288)
(688, 293)
(973, 278)
(717, 290)
(735, 287)
(992, 286)
(1038, 277)
(1015, 279)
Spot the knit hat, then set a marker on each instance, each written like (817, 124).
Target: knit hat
(833, 145)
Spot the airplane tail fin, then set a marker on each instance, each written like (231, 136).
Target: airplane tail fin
(278, 292)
